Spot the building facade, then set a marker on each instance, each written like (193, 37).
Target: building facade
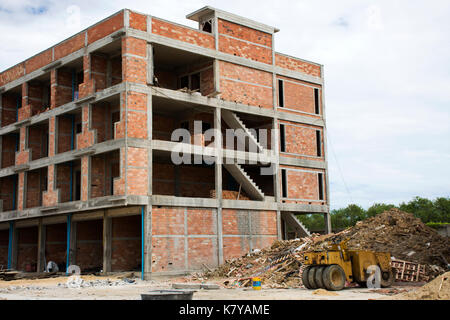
(89, 146)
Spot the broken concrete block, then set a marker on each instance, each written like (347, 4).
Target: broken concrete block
(186, 285)
(210, 286)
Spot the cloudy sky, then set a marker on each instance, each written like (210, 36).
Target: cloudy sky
(387, 76)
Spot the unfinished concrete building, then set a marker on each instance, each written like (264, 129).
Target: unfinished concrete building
(86, 173)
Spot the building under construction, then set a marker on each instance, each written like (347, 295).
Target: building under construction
(87, 174)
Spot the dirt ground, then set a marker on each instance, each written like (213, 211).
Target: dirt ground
(53, 288)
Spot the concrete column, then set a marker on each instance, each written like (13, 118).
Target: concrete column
(150, 66)
(13, 246)
(41, 247)
(218, 181)
(147, 241)
(327, 218)
(107, 243)
(73, 243)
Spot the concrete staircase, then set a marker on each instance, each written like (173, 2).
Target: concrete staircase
(299, 227)
(234, 122)
(244, 179)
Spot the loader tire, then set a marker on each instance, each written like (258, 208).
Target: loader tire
(387, 279)
(318, 277)
(334, 278)
(312, 277)
(305, 277)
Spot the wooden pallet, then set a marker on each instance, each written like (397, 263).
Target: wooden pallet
(409, 271)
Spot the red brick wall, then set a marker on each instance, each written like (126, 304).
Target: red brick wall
(12, 73)
(297, 65)
(181, 33)
(138, 21)
(245, 85)
(126, 243)
(4, 242)
(299, 96)
(89, 250)
(137, 171)
(56, 243)
(9, 108)
(245, 42)
(301, 139)
(302, 184)
(106, 27)
(168, 253)
(134, 68)
(261, 225)
(38, 61)
(201, 224)
(27, 248)
(36, 184)
(71, 45)
(137, 115)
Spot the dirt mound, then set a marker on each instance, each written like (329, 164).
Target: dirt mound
(394, 231)
(438, 289)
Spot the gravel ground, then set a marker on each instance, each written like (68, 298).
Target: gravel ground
(110, 288)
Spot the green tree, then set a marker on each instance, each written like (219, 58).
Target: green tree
(421, 208)
(441, 210)
(377, 208)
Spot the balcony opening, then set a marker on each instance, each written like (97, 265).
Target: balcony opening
(106, 65)
(36, 184)
(8, 193)
(104, 116)
(182, 70)
(105, 169)
(247, 129)
(38, 97)
(69, 79)
(67, 127)
(10, 144)
(37, 140)
(169, 115)
(184, 180)
(11, 102)
(68, 180)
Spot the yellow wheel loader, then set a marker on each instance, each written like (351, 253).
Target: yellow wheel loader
(330, 269)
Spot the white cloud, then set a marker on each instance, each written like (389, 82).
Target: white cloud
(387, 77)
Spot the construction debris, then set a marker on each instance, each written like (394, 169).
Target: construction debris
(424, 251)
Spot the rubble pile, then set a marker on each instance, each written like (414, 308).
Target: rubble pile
(403, 235)
(394, 231)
